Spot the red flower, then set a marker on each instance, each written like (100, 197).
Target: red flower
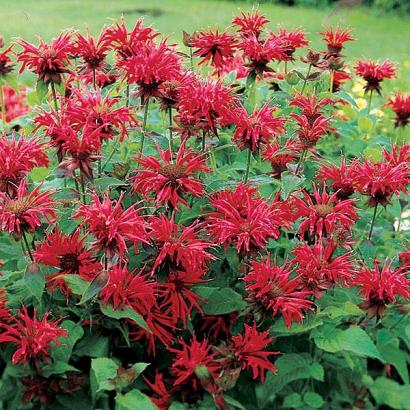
(380, 287)
(339, 77)
(400, 104)
(270, 287)
(5, 315)
(310, 105)
(318, 268)
(309, 133)
(251, 22)
(169, 180)
(244, 219)
(176, 298)
(33, 338)
(336, 38)
(6, 64)
(341, 178)
(380, 180)
(397, 155)
(404, 258)
(248, 351)
(15, 102)
(291, 40)
(159, 388)
(374, 73)
(253, 129)
(323, 213)
(279, 157)
(150, 67)
(48, 61)
(179, 245)
(214, 47)
(18, 157)
(128, 289)
(112, 226)
(67, 253)
(25, 210)
(193, 361)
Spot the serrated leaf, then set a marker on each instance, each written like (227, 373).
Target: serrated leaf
(94, 287)
(103, 371)
(75, 332)
(57, 368)
(309, 323)
(134, 400)
(220, 301)
(76, 283)
(34, 283)
(388, 392)
(313, 399)
(290, 183)
(293, 401)
(105, 182)
(125, 313)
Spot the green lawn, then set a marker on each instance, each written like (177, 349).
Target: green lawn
(378, 37)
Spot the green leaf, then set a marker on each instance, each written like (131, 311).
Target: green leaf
(76, 283)
(374, 154)
(311, 322)
(313, 400)
(75, 332)
(125, 313)
(293, 401)
(354, 339)
(41, 90)
(220, 300)
(365, 124)
(57, 368)
(388, 392)
(134, 400)
(94, 287)
(290, 183)
(92, 345)
(34, 283)
(234, 403)
(105, 182)
(103, 371)
(39, 174)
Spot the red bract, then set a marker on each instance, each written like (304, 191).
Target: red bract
(32, 338)
(243, 219)
(92, 52)
(291, 40)
(179, 245)
(380, 180)
(160, 390)
(398, 155)
(374, 73)
(18, 157)
(24, 212)
(336, 38)
(128, 289)
(280, 156)
(15, 102)
(249, 351)
(381, 286)
(310, 105)
(48, 61)
(150, 67)
(112, 226)
(400, 104)
(214, 47)
(269, 287)
(68, 254)
(169, 181)
(5, 314)
(250, 23)
(253, 129)
(322, 213)
(6, 63)
(195, 361)
(309, 133)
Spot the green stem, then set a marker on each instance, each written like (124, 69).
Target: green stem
(191, 59)
(373, 220)
(248, 165)
(370, 102)
(127, 94)
(114, 149)
(53, 90)
(171, 141)
(27, 246)
(203, 142)
(332, 78)
(305, 80)
(94, 79)
(3, 107)
(82, 188)
(144, 125)
(302, 157)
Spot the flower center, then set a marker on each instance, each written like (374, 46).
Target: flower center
(173, 172)
(323, 210)
(69, 262)
(275, 291)
(17, 206)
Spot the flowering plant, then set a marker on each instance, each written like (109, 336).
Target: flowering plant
(213, 225)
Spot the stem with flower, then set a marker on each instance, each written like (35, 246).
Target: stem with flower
(144, 125)
(372, 224)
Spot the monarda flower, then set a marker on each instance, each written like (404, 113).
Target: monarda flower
(113, 226)
(25, 211)
(243, 219)
(33, 338)
(374, 73)
(400, 104)
(318, 268)
(271, 288)
(180, 246)
(380, 286)
(310, 105)
(336, 38)
(68, 254)
(214, 47)
(162, 394)
(48, 61)
(168, 182)
(5, 314)
(291, 41)
(251, 130)
(309, 133)
(280, 156)
(249, 351)
(18, 157)
(126, 288)
(340, 178)
(322, 213)
(15, 102)
(6, 63)
(251, 22)
(153, 65)
(397, 155)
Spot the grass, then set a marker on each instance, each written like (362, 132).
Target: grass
(378, 37)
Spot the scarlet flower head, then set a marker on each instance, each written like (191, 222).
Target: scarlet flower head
(251, 22)
(170, 181)
(280, 156)
(126, 288)
(336, 38)
(214, 47)
(243, 219)
(249, 351)
(5, 314)
(400, 104)
(309, 133)
(160, 389)
(111, 225)
(6, 63)
(18, 157)
(25, 211)
(380, 286)
(310, 105)
(179, 245)
(270, 287)
(15, 102)
(374, 73)
(291, 41)
(258, 127)
(32, 338)
(48, 61)
(397, 155)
